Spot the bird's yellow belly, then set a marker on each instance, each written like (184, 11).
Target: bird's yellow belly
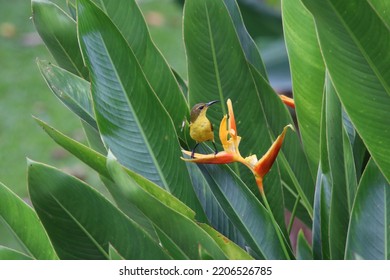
(201, 131)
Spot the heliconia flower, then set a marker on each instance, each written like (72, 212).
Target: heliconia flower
(287, 100)
(230, 141)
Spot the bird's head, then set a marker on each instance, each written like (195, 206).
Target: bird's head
(200, 108)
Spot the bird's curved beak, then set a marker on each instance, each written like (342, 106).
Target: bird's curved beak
(211, 103)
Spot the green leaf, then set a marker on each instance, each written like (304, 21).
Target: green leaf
(245, 211)
(320, 231)
(216, 214)
(127, 17)
(184, 232)
(368, 234)
(72, 90)
(303, 248)
(58, 30)
(132, 121)
(24, 222)
(174, 250)
(82, 223)
(98, 162)
(232, 251)
(322, 197)
(355, 40)
(307, 72)
(248, 45)
(350, 170)
(259, 14)
(113, 253)
(339, 212)
(10, 254)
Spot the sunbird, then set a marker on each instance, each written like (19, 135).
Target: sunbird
(201, 129)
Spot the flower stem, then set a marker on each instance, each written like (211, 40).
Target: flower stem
(292, 217)
(276, 226)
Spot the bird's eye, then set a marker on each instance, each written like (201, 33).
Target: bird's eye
(201, 107)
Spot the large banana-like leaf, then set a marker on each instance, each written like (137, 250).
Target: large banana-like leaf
(127, 17)
(219, 69)
(355, 43)
(72, 90)
(231, 250)
(368, 233)
(132, 121)
(58, 30)
(216, 214)
(245, 211)
(180, 229)
(322, 196)
(97, 161)
(308, 74)
(247, 43)
(85, 232)
(25, 224)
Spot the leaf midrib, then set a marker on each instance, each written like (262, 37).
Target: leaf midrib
(142, 133)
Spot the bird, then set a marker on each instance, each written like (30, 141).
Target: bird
(201, 129)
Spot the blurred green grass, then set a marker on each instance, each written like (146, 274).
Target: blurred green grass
(23, 92)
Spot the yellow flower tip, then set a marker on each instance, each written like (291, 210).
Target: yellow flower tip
(223, 132)
(289, 126)
(232, 121)
(288, 101)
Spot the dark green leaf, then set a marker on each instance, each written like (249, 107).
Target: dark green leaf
(368, 234)
(113, 253)
(72, 90)
(303, 248)
(259, 14)
(355, 41)
(245, 211)
(247, 43)
(127, 17)
(58, 30)
(232, 251)
(308, 74)
(24, 222)
(339, 212)
(350, 170)
(98, 162)
(215, 213)
(173, 249)
(131, 119)
(82, 223)
(322, 197)
(181, 230)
